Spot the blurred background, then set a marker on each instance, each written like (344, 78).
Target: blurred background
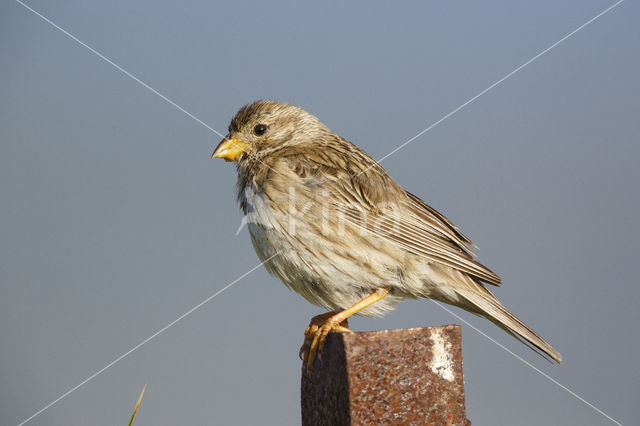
(114, 221)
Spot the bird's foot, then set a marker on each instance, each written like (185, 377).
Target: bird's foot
(315, 337)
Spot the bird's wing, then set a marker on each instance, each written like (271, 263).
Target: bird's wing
(370, 199)
(420, 238)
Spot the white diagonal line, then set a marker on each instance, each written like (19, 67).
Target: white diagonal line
(380, 160)
(163, 329)
(455, 111)
(536, 369)
(119, 68)
(127, 73)
(495, 84)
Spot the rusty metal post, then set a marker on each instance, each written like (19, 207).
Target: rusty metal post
(410, 376)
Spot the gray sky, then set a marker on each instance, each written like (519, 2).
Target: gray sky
(114, 221)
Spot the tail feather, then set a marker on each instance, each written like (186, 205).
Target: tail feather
(489, 307)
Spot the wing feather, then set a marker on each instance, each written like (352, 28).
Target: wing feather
(420, 241)
(369, 198)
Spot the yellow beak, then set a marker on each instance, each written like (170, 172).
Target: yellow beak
(229, 149)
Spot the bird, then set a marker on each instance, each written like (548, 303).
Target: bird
(333, 225)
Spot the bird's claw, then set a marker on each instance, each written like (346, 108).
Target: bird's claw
(315, 337)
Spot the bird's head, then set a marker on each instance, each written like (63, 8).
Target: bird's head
(264, 127)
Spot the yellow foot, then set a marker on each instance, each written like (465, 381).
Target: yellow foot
(320, 326)
(316, 334)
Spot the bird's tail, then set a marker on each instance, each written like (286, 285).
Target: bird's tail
(486, 305)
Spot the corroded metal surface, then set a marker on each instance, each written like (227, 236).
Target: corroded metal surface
(410, 376)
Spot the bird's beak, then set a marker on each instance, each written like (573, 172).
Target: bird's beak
(229, 149)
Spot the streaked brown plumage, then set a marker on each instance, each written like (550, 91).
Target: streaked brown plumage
(342, 229)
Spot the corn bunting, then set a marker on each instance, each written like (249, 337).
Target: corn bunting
(338, 229)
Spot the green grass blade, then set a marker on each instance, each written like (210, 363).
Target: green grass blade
(135, 410)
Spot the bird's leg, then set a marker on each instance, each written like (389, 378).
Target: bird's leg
(321, 325)
(318, 320)
(312, 328)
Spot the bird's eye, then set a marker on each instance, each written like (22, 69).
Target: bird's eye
(260, 129)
